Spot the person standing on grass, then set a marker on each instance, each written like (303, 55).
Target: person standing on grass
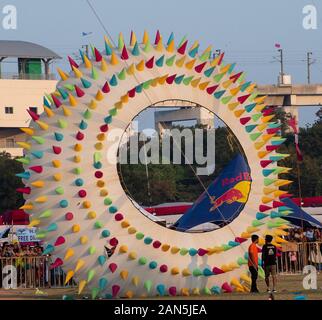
(269, 253)
(253, 262)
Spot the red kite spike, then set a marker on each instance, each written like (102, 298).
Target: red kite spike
(80, 93)
(24, 190)
(34, 116)
(183, 48)
(200, 67)
(221, 58)
(149, 63)
(106, 88)
(157, 38)
(56, 101)
(125, 55)
(98, 56)
(37, 169)
(72, 62)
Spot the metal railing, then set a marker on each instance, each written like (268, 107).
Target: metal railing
(307, 253)
(26, 76)
(35, 272)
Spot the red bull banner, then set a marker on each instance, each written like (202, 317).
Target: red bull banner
(224, 200)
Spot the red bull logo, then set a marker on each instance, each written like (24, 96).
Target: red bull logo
(243, 176)
(238, 193)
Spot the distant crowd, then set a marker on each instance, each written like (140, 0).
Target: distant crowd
(16, 250)
(306, 235)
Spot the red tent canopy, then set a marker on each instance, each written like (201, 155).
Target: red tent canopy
(15, 217)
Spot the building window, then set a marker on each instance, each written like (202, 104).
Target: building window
(10, 143)
(34, 110)
(8, 110)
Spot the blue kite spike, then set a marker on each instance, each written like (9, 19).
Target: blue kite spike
(81, 53)
(207, 272)
(160, 61)
(136, 50)
(161, 289)
(245, 86)
(47, 103)
(267, 172)
(86, 84)
(102, 283)
(37, 154)
(49, 249)
(233, 243)
(170, 38)
(231, 68)
(193, 52)
(260, 215)
(83, 125)
(209, 72)
(250, 107)
(24, 175)
(52, 227)
(113, 81)
(250, 128)
(108, 49)
(59, 136)
(63, 93)
(215, 290)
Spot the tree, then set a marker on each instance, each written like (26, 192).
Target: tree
(9, 197)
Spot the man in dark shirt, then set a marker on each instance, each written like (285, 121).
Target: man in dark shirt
(269, 262)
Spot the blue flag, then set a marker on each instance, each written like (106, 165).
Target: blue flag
(224, 200)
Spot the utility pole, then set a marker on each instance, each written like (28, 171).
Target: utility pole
(282, 65)
(86, 47)
(309, 63)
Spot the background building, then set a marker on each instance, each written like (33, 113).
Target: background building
(24, 78)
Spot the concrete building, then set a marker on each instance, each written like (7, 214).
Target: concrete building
(22, 87)
(183, 111)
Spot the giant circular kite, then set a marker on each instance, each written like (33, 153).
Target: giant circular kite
(75, 197)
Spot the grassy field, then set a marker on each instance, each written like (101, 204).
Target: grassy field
(289, 286)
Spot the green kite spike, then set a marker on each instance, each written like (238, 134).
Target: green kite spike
(122, 74)
(255, 136)
(197, 272)
(225, 100)
(46, 214)
(147, 47)
(69, 87)
(87, 114)
(256, 116)
(187, 80)
(39, 140)
(218, 77)
(59, 190)
(95, 292)
(120, 42)
(95, 74)
(62, 123)
(148, 285)
(205, 56)
(90, 275)
(169, 62)
(268, 181)
(24, 160)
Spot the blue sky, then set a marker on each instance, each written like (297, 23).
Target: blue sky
(246, 30)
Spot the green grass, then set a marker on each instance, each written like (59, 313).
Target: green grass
(288, 287)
